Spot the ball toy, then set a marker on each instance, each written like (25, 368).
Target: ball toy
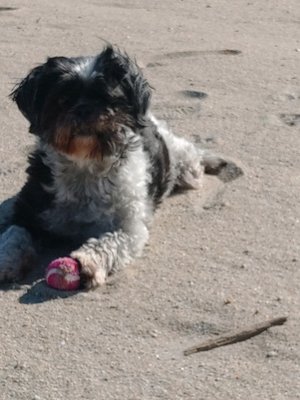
(63, 274)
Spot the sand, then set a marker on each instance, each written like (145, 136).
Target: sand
(226, 75)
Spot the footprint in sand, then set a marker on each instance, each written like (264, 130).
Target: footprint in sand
(189, 53)
(168, 111)
(193, 94)
(184, 54)
(8, 8)
(180, 325)
(290, 119)
(178, 112)
(290, 99)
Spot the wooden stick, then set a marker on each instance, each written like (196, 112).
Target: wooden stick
(235, 337)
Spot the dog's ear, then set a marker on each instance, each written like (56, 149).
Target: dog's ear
(25, 94)
(115, 65)
(120, 69)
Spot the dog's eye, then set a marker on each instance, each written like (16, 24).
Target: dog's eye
(65, 101)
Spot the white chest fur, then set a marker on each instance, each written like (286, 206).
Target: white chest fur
(89, 200)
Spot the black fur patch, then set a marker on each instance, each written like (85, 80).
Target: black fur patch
(158, 153)
(33, 199)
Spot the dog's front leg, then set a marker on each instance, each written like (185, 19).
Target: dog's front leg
(17, 253)
(102, 256)
(6, 213)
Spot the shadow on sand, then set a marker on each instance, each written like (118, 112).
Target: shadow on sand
(40, 292)
(33, 287)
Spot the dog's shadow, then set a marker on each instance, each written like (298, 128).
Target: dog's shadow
(37, 290)
(33, 286)
(40, 292)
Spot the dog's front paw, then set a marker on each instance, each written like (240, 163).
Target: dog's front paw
(92, 272)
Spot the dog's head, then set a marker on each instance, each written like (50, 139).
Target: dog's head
(84, 106)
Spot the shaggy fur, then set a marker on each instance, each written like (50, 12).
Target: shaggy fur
(101, 166)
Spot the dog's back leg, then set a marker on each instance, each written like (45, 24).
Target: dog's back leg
(186, 160)
(189, 163)
(226, 170)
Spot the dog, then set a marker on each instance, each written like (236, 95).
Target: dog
(101, 165)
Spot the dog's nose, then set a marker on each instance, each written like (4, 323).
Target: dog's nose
(83, 111)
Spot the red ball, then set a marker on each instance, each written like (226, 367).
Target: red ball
(63, 274)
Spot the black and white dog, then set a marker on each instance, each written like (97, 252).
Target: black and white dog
(101, 165)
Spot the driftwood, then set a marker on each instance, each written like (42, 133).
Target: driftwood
(235, 337)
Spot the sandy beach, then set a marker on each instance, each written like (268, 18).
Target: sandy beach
(225, 75)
